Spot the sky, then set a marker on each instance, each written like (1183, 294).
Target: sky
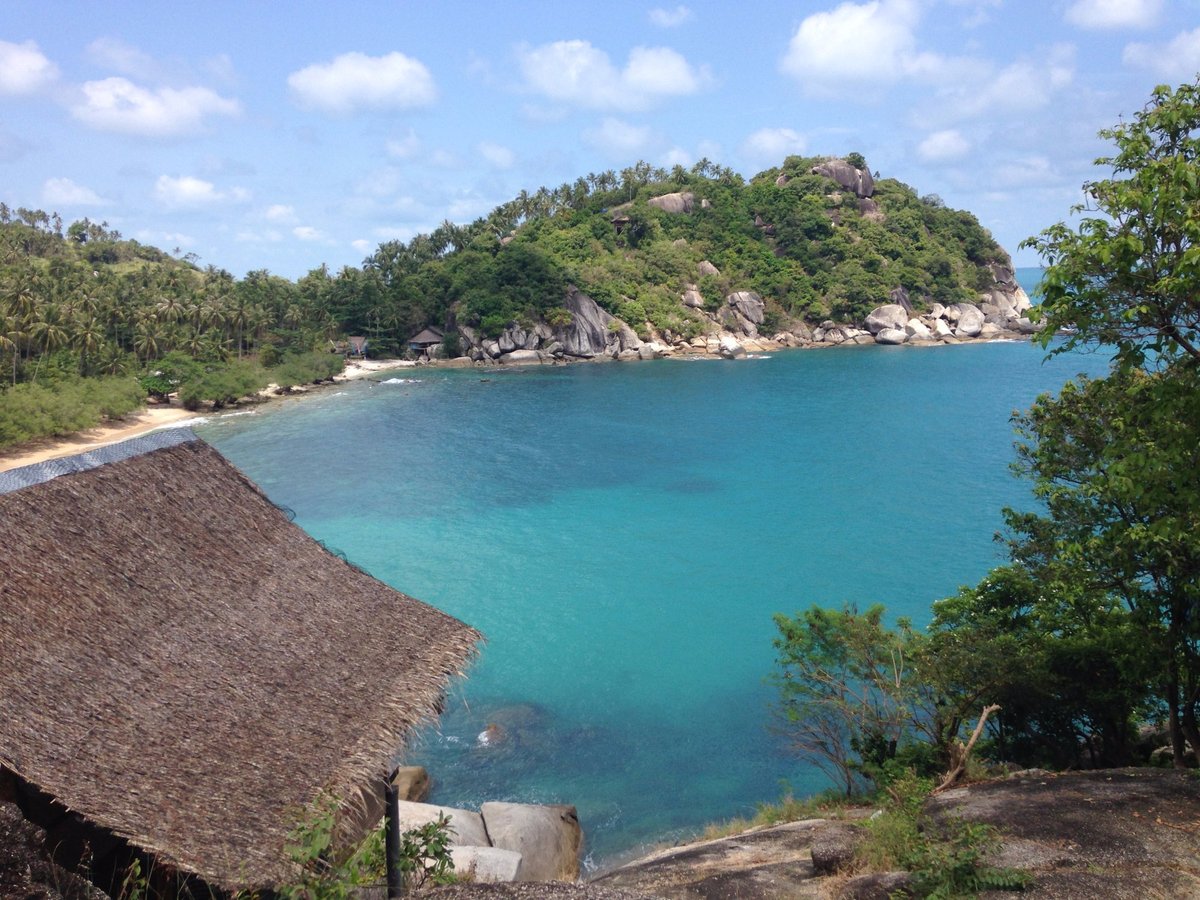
(284, 136)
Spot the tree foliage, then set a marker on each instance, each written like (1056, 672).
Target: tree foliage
(849, 699)
(1128, 276)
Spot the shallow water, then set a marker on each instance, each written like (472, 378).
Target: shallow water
(623, 534)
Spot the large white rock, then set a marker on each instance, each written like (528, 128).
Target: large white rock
(465, 827)
(692, 299)
(891, 336)
(412, 783)
(730, 348)
(968, 321)
(704, 267)
(941, 329)
(749, 304)
(1025, 326)
(679, 202)
(1021, 301)
(489, 865)
(890, 315)
(915, 328)
(547, 837)
(990, 331)
(521, 358)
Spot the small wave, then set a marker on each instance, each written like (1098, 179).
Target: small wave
(401, 381)
(241, 412)
(338, 394)
(185, 423)
(758, 356)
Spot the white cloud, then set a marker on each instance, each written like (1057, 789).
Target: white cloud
(670, 18)
(856, 44)
(117, 56)
(770, 146)
(65, 192)
(1114, 13)
(280, 212)
(24, 69)
(173, 239)
(306, 233)
(117, 104)
(943, 146)
(979, 11)
(1178, 59)
(677, 156)
(1019, 87)
(189, 191)
(619, 138)
(497, 155)
(1027, 172)
(577, 73)
(355, 81)
(404, 147)
(363, 246)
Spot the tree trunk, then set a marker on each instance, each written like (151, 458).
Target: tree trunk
(1173, 726)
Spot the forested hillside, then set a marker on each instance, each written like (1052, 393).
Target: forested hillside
(816, 238)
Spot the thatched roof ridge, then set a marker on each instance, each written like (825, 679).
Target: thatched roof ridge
(430, 335)
(184, 667)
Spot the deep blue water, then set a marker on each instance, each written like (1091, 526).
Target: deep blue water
(623, 534)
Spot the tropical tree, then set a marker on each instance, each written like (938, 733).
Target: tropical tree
(1117, 460)
(1128, 276)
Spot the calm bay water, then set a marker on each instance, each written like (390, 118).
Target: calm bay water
(623, 534)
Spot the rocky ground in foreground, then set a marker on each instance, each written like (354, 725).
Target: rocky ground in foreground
(1121, 833)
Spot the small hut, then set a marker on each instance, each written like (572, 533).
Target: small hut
(183, 671)
(425, 340)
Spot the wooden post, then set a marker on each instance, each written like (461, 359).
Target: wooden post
(391, 837)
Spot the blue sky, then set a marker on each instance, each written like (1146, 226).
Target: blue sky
(287, 135)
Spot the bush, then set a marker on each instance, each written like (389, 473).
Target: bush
(29, 411)
(306, 368)
(945, 855)
(222, 385)
(326, 875)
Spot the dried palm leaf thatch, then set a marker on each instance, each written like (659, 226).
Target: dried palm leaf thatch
(182, 666)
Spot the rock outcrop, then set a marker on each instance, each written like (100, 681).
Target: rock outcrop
(507, 841)
(26, 868)
(547, 838)
(1115, 833)
(679, 202)
(890, 315)
(857, 180)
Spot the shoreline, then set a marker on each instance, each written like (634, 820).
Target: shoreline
(156, 417)
(152, 418)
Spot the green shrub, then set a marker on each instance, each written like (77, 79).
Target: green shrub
(306, 368)
(222, 385)
(30, 411)
(326, 875)
(945, 856)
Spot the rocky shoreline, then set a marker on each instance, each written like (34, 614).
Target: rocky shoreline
(735, 328)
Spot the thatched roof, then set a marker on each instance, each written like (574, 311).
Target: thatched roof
(427, 336)
(184, 667)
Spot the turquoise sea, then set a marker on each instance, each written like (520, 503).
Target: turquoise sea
(623, 534)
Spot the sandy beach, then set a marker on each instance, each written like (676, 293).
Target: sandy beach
(151, 419)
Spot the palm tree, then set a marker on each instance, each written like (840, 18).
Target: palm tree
(146, 337)
(88, 338)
